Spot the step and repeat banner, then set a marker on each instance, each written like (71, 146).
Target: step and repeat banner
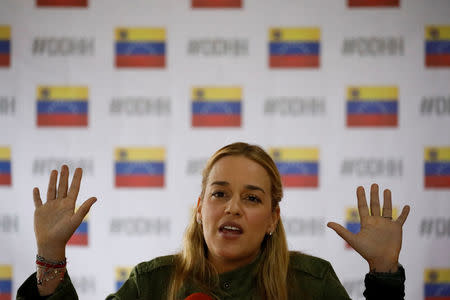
(139, 94)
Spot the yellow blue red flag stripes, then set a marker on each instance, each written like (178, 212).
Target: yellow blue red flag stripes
(294, 47)
(373, 3)
(437, 167)
(122, 274)
(139, 167)
(140, 47)
(216, 3)
(437, 284)
(372, 106)
(5, 46)
(5, 282)
(298, 167)
(5, 166)
(62, 106)
(352, 221)
(216, 106)
(437, 46)
(62, 3)
(81, 236)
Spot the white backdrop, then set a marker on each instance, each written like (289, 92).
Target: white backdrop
(280, 107)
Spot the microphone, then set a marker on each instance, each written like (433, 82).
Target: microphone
(198, 296)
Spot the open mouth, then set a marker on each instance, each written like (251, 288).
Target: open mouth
(230, 229)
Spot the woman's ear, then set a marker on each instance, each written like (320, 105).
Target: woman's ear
(275, 219)
(199, 211)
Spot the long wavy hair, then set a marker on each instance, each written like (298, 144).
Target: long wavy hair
(192, 263)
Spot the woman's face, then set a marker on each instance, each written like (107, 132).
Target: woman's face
(236, 211)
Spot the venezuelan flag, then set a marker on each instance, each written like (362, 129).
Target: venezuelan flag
(62, 3)
(62, 106)
(216, 3)
(81, 235)
(216, 106)
(373, 3)
(437, 167)
(5, 166)
(122, 274)
(437, 46)
(140, 47)
(352, 221)
(5, 282)
(298, 167)
(372, 106)
(139, 167)
(294, 47)
(437, 284)
(5, 46)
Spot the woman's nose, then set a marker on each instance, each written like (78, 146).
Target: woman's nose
(233, 206)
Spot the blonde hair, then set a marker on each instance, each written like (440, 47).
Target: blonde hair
(192, 261)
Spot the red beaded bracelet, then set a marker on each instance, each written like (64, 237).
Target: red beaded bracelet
(48, 270)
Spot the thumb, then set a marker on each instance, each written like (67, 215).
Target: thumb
(83, 210)
(342, 232)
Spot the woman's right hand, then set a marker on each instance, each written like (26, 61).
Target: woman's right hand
(56, 220)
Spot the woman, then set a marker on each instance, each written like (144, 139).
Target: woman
(235, 245)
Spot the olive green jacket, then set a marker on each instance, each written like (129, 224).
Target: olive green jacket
(310, 278)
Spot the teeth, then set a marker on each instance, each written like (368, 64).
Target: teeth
(231, 228)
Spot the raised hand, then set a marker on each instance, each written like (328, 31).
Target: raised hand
(55, 221)
(380, 239)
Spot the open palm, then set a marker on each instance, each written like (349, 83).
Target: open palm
(56, 221)
(380, 239)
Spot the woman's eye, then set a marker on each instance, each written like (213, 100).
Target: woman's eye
(218, 194)
(253, 198)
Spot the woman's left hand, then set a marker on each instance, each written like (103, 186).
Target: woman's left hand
(380, 239)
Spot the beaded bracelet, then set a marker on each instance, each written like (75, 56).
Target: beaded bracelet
(47, 270)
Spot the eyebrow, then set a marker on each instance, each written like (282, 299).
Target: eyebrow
(247, 186)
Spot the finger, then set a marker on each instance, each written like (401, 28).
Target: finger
(402, 218)
(51, 190)
(37, 198)
(374, 200)
(63, 182)
(362, 203)
(343, 232)
(83, 210)
(75, 185)
(387, 204)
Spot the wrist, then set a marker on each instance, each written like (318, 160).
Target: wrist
(52, 253)
(383, 266)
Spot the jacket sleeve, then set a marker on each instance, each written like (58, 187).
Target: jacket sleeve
(66, 291)
(389, 286)
(28, 290)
